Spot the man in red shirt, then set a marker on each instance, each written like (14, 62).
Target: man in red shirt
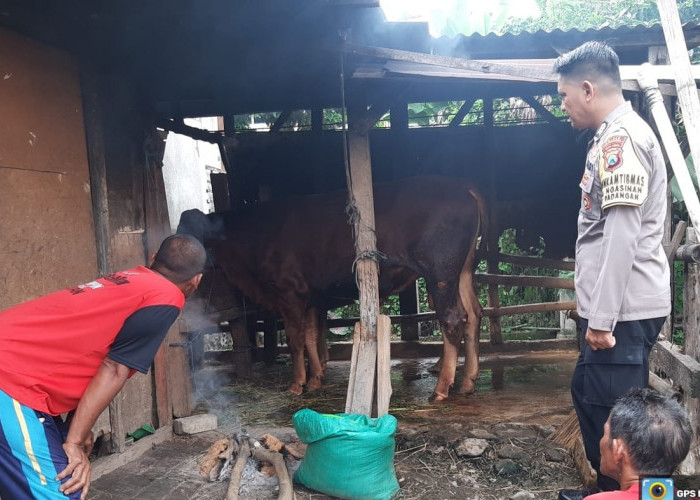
(71, 352)
(646, 435)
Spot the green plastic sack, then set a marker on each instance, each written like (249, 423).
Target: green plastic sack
(348, 456)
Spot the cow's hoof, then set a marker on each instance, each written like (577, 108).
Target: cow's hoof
(313, 384)
(437, 397)
(467, 387)
(296, 389)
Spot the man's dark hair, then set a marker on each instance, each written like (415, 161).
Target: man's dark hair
(655, 428)
(590, 61)
(180, 257)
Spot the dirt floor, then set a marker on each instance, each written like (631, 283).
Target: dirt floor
(520, 400)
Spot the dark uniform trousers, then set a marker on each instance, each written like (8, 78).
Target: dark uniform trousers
(604, 375)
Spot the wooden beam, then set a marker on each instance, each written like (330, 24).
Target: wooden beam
(361, 390)
(685, 83)
(281, 120)
(193, 132)
(544, 113)
(462, 113)
(489, 67)
(684, 369)
(491, 312)
(493, 235)
(684, 372)
(157, 226)
(670, 143)
(527, 261)
(383, 364)
(537, 70)
(535, 281)
(94, 138)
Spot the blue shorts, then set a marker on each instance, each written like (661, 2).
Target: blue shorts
(31, 453)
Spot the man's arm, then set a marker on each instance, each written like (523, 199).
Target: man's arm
(107, 382)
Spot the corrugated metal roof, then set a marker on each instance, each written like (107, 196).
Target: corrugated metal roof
(627, 40)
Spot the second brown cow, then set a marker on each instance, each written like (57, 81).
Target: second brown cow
(287, 255)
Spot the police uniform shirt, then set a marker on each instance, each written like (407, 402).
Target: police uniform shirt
(621, 270)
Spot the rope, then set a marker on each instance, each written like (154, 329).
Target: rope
(374, 255)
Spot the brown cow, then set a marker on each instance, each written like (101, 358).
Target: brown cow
(284, 255)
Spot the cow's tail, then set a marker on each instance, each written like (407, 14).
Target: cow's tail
(466, 290)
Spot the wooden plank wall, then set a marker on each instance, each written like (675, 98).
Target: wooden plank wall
(47, 240)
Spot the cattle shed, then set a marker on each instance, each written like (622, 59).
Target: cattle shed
(88, 90)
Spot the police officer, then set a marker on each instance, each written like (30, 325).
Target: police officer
(622, 275)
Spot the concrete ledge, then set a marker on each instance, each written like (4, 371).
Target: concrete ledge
(680, 369)
(195, 424)
(107, 464)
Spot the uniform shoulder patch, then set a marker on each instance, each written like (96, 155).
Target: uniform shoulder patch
(623, 177)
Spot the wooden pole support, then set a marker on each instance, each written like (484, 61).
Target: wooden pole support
(685, 84)
(670, 143)
(367, 269)
(383, 364)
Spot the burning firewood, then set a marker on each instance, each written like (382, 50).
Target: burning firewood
(272, 443)
(211, 459)
(243, 454)
(286, 490)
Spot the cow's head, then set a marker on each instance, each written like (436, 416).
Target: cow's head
(204, 227)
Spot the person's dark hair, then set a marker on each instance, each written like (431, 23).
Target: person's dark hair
(655, 428)
(590, 61)
(180, 257)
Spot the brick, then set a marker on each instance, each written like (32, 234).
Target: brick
(195, 424)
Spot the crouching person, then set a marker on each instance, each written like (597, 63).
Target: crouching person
(71, 352)
(646, 435)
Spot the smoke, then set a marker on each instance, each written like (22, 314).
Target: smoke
(211, 383)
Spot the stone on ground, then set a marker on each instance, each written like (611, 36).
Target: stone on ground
(195, 424)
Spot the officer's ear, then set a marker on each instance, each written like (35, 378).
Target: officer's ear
(589, 90)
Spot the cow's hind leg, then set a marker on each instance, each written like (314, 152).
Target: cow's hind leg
(322, 344)
(295, 340)
(446, 379)
(471, 334)
(312, 336)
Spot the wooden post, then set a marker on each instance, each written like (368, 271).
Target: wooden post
(408, 304)
(399, 132)
(383, 364)
(242, 359)
(94, 135)
(319, 163)
(685, 84)
(157, 225)
(219, 191)
(691, 306)
(670, 143)
(492, 255)
(178, 372)
(270, 338)
(361, 387)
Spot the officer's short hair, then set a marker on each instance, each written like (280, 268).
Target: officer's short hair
(180, 257)
(590, 61)
(655, 428)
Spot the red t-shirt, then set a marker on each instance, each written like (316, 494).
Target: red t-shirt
(632, 493)
(52, 346)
